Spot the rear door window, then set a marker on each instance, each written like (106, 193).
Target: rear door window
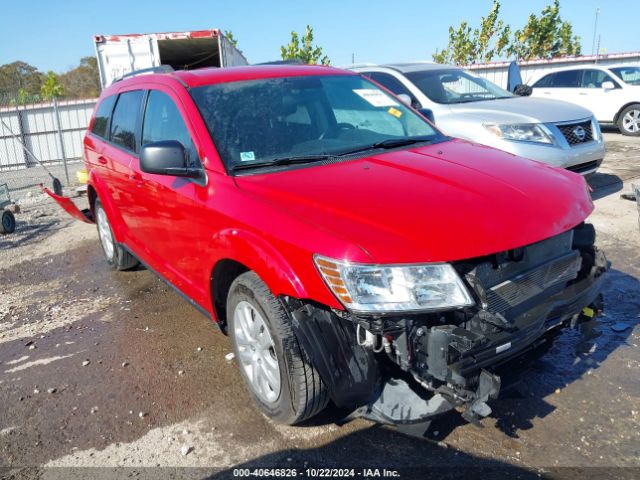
(124, 121)
(101, 120)
(163, 121)
(568, 79)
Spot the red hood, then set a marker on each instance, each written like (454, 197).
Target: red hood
(442, 202)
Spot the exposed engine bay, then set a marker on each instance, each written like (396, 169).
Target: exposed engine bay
(403, 369)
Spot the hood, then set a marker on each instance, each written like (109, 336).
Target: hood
(442, 202)
(522, 110)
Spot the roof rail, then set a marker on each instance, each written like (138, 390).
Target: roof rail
(159, 69)
(291, 61)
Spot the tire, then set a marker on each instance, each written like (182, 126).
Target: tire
(300, 393)
(8, 223)
(117, 257)
(629, 120)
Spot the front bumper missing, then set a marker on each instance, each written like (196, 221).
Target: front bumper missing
(427, 369)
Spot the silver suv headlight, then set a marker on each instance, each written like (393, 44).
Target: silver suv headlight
(393, 288)
(521, 132)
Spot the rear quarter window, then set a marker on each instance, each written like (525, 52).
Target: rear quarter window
(101, 120)
(124, 120)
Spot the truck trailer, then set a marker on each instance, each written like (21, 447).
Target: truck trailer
(121, 54)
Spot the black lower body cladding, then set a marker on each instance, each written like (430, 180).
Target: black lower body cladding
(420, 365)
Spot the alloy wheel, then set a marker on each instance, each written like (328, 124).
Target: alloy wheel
(631, 121)
(256, 352)
(104, 232)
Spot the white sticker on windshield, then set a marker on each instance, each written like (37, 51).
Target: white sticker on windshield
(376, 97)
(247, 156)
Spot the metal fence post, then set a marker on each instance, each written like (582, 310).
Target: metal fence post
(23, 138)
(56, 117)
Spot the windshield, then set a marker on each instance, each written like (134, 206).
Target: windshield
(449, 86)
(302, 119)
(630, 75)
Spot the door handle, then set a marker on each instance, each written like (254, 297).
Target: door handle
(582, 93)
(102, 160)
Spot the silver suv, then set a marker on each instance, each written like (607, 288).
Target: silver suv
(467, 106)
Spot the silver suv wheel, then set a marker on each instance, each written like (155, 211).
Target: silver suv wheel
(256, 352)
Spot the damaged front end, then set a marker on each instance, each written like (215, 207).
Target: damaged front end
(405, 368)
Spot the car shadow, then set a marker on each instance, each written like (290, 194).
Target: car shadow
(369, 457)
(604, 184)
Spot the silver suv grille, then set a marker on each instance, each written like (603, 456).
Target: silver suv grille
(577, 133)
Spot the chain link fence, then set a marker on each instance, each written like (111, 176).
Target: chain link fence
(35, 133)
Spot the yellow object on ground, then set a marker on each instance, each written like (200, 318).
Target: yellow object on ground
(82, 175)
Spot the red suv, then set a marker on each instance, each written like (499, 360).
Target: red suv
(351, 251)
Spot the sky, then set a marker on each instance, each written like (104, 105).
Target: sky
(55, 35)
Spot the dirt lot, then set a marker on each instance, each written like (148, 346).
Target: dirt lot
(108, 369)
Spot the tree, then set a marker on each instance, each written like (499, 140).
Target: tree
(467, 45)
(304, 49)
(545, 36)
(19, 76)
(82, 81)
(51, 87)
(230, 37)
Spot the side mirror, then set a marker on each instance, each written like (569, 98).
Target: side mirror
(608, 85)
(428, 113)
(523, 90)
(166, 158)
(404, 98)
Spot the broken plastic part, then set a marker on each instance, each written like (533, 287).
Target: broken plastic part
(67, 204)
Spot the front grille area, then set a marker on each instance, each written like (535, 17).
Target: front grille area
(585, 167)
(577, 133)
(521, 288)
(506, 281)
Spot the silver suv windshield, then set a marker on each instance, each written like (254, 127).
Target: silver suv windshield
(293, 120)
(449, 86)
(630, 75)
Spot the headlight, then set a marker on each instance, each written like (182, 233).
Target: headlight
(523, 132)
(397, 288)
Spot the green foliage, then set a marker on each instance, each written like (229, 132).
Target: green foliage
(303, 49)
(82, 81)
(544, 36)
(231, 38)
(467, 45)
(51, 87)
(18, 76)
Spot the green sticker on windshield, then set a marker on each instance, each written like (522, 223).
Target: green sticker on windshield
(247, 156)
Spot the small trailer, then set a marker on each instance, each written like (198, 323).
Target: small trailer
(118, 55)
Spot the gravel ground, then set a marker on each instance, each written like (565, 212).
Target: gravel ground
(114, 370)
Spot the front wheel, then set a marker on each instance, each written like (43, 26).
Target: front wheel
(278, 374)
(629, 120)
(117, 257)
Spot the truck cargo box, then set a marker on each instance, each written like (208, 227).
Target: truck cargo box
(121, 54)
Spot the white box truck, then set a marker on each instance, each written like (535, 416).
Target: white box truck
(121, 54)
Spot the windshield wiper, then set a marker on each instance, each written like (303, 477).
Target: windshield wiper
(389, 143)
(283, 161)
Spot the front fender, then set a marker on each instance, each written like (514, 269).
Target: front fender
(257, 254)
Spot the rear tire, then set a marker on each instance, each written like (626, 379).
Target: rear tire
(629, 120)
(8, 223)
(261, 334)
(117, 257)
